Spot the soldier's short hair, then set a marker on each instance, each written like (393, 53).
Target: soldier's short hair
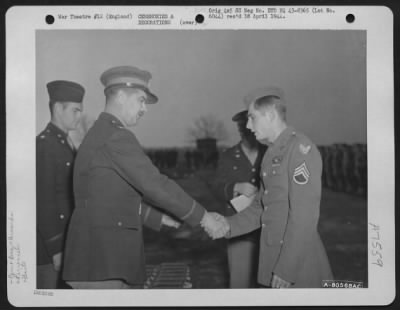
(271, 101)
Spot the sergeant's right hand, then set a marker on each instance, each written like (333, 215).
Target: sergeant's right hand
(245, 188)
(215, 225)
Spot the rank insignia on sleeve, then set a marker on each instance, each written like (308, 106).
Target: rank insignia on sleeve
(305, 149)
(301, 174)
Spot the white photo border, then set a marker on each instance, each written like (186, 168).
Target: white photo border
(21, 25)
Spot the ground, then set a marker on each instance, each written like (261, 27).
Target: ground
(343, 229)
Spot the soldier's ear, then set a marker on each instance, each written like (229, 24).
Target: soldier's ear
(57, 108)
(273, 113)
(120, 96)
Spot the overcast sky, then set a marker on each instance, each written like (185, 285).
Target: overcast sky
(196, 73)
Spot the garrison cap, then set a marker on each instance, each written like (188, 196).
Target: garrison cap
(128, 77)
(65, 91)
(240, 117)
(263, 92)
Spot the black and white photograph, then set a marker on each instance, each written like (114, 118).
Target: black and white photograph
(202, 156)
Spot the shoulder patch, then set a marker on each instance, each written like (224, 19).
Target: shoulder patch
(304, 149)
(301, 174)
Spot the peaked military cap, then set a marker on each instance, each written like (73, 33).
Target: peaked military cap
(63, 91)
(130, 77)
(263, 92)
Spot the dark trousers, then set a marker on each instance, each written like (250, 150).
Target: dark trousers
(46, 277)
(243, 263)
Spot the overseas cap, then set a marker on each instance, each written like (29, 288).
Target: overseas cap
(263, 92)
(240, 117)
(128, 77)
(63, 91)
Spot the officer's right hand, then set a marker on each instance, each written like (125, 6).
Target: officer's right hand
(57, 261)
(245, 188)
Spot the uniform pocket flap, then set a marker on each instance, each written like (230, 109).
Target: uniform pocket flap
(275, 171)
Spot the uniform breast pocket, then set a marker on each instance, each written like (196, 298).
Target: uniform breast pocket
(275, 171)
(275, 178)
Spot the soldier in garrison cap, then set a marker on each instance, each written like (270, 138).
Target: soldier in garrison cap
(115, 183)
(238, 174)
(54, 163)
(287, 206)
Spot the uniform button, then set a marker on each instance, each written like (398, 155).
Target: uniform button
(119, 223)
(234, 168)
(263, 225)
(281, 242)
(47, 130)
(62, 141)
(237, 155)
(273, 172)
(264, 174)
(253, 180)
(61, 216)
(266, 192)
(68, 163)
(59, 135)
(253, 170)
(42, 137)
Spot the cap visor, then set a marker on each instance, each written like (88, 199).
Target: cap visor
(151, 98)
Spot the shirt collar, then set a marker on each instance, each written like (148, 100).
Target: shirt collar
(283, 138)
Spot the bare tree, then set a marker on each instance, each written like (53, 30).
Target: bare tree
(207, 126)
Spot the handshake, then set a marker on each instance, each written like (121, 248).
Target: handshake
(215, 225)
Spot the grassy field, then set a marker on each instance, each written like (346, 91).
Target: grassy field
(343, 229)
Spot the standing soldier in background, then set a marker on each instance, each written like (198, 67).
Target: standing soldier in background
(238, 174)
(188, 158)
(361, 168)
(55, 156)
(112, 178)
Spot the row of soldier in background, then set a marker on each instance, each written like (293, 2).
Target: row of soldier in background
(345, 165)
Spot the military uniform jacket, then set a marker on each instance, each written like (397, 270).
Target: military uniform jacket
(287, 209)
(54, 193)
(234, 167)
(112, 177)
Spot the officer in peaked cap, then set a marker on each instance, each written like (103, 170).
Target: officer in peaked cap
(114, 184)
(238, 174)
(287, 206)
(54, 163)
(128, 77)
